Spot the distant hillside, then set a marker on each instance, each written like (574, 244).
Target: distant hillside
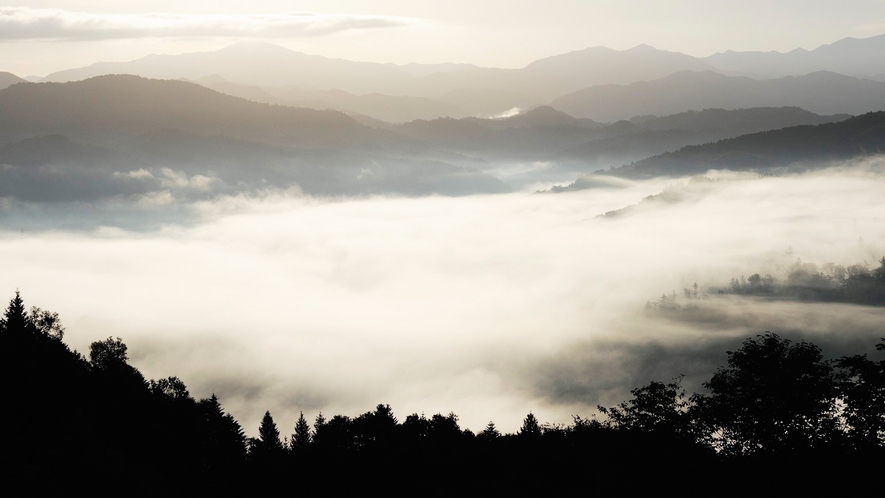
(849, 56)
(56, 169)
(254, 63)
(805, 145)
(488, 102)
(646, 136)
(7, 79)
(120, 104)
(267, 65)
(820, 92)
(554, 76)
(538, 117)
(544, 133)
(534, 134)
(383, 107)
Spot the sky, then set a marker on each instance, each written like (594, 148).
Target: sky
(41, 36)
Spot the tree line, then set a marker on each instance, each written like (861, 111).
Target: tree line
(775, 405)
(857, 283)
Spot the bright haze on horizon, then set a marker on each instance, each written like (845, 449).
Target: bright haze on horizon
(39, 37)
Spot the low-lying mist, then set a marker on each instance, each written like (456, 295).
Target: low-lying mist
(489, 306)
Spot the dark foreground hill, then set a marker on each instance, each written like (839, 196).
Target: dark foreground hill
(798, 146)
(778, 413)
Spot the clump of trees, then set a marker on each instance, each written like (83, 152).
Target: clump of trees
(70, 416)
(857, 283)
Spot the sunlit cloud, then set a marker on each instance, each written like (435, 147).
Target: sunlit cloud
(22, 23)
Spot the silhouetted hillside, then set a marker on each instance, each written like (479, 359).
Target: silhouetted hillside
(820, 92)
(544, 133)
(808, 145)
(645, 136)
(122, 104)
(536, 134)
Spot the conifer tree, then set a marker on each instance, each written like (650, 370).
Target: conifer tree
(491, 432)
(530, 426)
(301, 438)
(16, 318)
(268, 443)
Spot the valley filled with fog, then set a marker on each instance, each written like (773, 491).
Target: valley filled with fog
(299, 233)
(488, 305)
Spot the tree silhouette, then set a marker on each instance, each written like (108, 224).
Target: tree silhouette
(108, 354)
(530, 426)
(171, 388)
(47, 322)
(862, 392)
(656, 408)
(301, 438)
(224, 442)
(15, 319)
(490, 433)
(773, 396)
(267, 446)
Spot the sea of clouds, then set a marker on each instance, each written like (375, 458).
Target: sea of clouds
(487, 306)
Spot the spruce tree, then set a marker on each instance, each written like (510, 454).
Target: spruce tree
(301, 437)
(268, 443)
(16, 318)
(530, 426)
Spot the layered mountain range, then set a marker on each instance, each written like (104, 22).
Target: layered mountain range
(257, 115)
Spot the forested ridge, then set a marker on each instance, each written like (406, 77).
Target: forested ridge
(778, 412)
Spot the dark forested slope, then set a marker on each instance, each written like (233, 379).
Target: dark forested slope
(804, 146)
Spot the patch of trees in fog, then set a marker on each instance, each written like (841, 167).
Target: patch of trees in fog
(857, 283)
(776, 407)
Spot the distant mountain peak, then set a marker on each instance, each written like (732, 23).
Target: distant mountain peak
(9, 79)
(642, 47)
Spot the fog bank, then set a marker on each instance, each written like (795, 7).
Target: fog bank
(490, 306)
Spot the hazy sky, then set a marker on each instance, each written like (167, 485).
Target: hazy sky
(41, 36)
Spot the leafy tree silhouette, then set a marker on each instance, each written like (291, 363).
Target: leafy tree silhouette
(656, 408)
(108, 354)
(773, 396)
(862, 392)
(47, 322)
(171, 388)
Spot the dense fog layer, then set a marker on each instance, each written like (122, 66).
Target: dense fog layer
(490, 306)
